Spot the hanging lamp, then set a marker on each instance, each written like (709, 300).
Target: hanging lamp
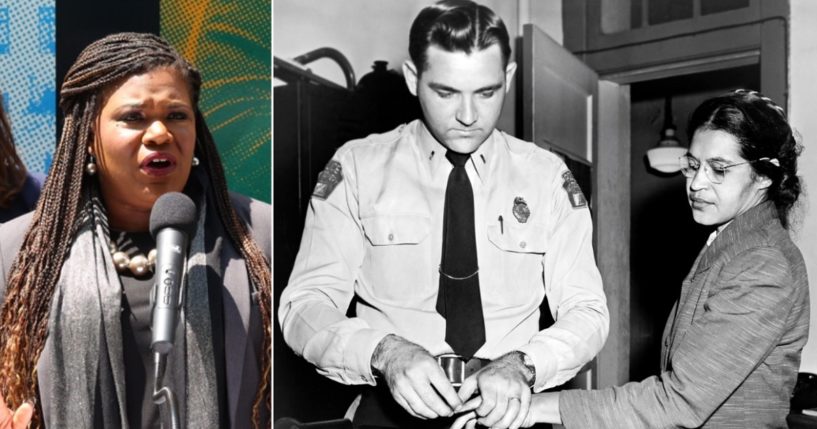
(664, 156)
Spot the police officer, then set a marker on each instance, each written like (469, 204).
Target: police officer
(451, 233)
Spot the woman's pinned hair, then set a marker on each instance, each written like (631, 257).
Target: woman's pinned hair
(763, 132)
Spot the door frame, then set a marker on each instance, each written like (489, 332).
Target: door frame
(762, 40)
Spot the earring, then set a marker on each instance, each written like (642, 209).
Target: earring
(90, 167)
(195, 162)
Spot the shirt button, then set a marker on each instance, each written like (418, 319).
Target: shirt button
(391, 237)
(522, 244)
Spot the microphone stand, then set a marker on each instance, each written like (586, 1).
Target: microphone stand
(162, 394)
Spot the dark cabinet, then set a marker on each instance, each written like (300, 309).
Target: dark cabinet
(312, 118)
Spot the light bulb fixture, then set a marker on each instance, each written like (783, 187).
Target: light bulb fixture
(664, 156)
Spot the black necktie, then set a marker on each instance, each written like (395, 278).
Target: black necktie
(458, 300)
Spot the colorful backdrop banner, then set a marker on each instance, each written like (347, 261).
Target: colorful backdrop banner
(229, 42)
(27, 61)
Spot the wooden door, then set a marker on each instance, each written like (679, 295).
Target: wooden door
(563, 106)
(559, 99)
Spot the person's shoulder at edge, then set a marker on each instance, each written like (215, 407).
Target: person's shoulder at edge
(31, 189)
(11, 238)
(37, 178)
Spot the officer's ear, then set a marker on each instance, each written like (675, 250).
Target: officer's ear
(510, 70)
(410, 74)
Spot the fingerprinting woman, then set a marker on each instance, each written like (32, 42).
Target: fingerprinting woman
(75, 275)
(732, 344)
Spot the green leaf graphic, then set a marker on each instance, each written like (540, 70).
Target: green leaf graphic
(229, 42)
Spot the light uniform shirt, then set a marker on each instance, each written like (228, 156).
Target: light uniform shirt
(374, 228)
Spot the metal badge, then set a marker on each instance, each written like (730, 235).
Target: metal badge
(520, 210)
(574, 192)
(328, 179)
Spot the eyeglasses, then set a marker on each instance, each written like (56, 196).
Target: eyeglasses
(715, 170)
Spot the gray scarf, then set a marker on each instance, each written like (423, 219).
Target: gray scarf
(81, 370)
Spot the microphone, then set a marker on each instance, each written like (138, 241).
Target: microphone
(172, 221)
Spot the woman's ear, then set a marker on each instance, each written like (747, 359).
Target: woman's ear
(763, 182)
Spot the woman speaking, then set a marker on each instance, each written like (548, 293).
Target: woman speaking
(76, 274)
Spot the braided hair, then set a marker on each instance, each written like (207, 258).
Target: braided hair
(765, 138)
(36, 269)
(12, 170)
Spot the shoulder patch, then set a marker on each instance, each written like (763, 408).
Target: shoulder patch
(574, 192)
(328, 179)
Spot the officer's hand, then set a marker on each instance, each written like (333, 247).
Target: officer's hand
(504, 392)
(15, 419)
(415, 379)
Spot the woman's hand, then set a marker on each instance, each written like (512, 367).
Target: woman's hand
(468, 416)
(17, 419)
(544, 408)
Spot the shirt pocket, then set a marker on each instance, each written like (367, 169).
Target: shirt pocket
(516, 257)
(519, 238)
(388, 230)
(396, 268)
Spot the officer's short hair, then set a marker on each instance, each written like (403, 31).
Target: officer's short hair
(456, 26)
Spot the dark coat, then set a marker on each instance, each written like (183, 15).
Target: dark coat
(242, 331)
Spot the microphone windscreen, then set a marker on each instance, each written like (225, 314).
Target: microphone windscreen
(173, 210)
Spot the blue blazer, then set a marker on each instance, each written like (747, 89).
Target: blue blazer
(732, 344)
